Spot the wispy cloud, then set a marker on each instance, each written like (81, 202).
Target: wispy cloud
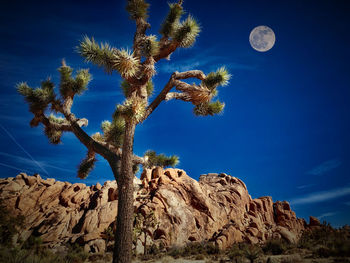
(15, 119)
(24, 150)
(29, 162)
(305, 186)
(322, 196)
(327, 215)
(202, 60)
(325, 167)
(16, 168)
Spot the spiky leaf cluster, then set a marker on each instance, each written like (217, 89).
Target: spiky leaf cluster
(172, 20)
(150, 88)
(220, 77)
(162, 160)
(125, 63)
(209, 108)
(149, 46)
(97, 137)
(57, 120)
(86, 165)
(113, 132)
(133, 108)
(39, 98)
(70, 86)
(137, 9)
(125, 87)
(187, 32)
(53, 134)
(102, 55)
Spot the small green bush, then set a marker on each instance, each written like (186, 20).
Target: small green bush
(76, 254)
(274, 247)
(9, 225)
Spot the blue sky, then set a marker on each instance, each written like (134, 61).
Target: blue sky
(286, 125)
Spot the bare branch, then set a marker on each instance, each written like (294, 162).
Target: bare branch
(166, 49)
(182, 86)
(177, 96)
(161, 96)
(83, 137)
(140, 160)
(198, 74)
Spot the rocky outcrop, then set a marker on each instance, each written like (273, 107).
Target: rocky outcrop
(217, 208)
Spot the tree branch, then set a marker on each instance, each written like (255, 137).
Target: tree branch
(166, 49)
(161, 96)
(141, 27)
(173, 81)
(177, 96)
(83, 137)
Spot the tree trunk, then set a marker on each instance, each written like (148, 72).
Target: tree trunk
(123, 237)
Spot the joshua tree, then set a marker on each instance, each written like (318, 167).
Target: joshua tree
(136, 67)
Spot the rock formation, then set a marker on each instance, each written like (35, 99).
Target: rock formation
(217, 208)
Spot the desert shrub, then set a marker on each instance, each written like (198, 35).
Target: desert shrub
(76, 254)
(193, 249)
(9, 225)
(199, 257)
(235, 253)
(341, 248)
(34, 243)
(341, 260)
(274, 247)
(12, 255)
(251, 252)
(17, 255)
(292, 259)
(323, 252)
(175, 252)
(271, 260)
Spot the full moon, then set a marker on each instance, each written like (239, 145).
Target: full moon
(262, 38)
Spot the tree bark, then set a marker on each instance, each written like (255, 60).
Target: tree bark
(124, 232)
(145, 243)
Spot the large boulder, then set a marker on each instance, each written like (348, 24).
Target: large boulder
(217, 208)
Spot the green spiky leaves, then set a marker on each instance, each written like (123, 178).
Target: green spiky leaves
(162, 160)
(125, 62)
(149, 46)
(113, 132)
(220, 77)
(70, 86)
(109, 58)
(209, 108)
(187, 32)
(172, 20)
(133, 108)
(87, 165)
(137, 9)
(150, 88)
(101, 55)
(57, 120)
(53, 135)
(39, 98)
(53, 130)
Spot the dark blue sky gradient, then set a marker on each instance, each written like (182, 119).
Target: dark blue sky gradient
(286, 125)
